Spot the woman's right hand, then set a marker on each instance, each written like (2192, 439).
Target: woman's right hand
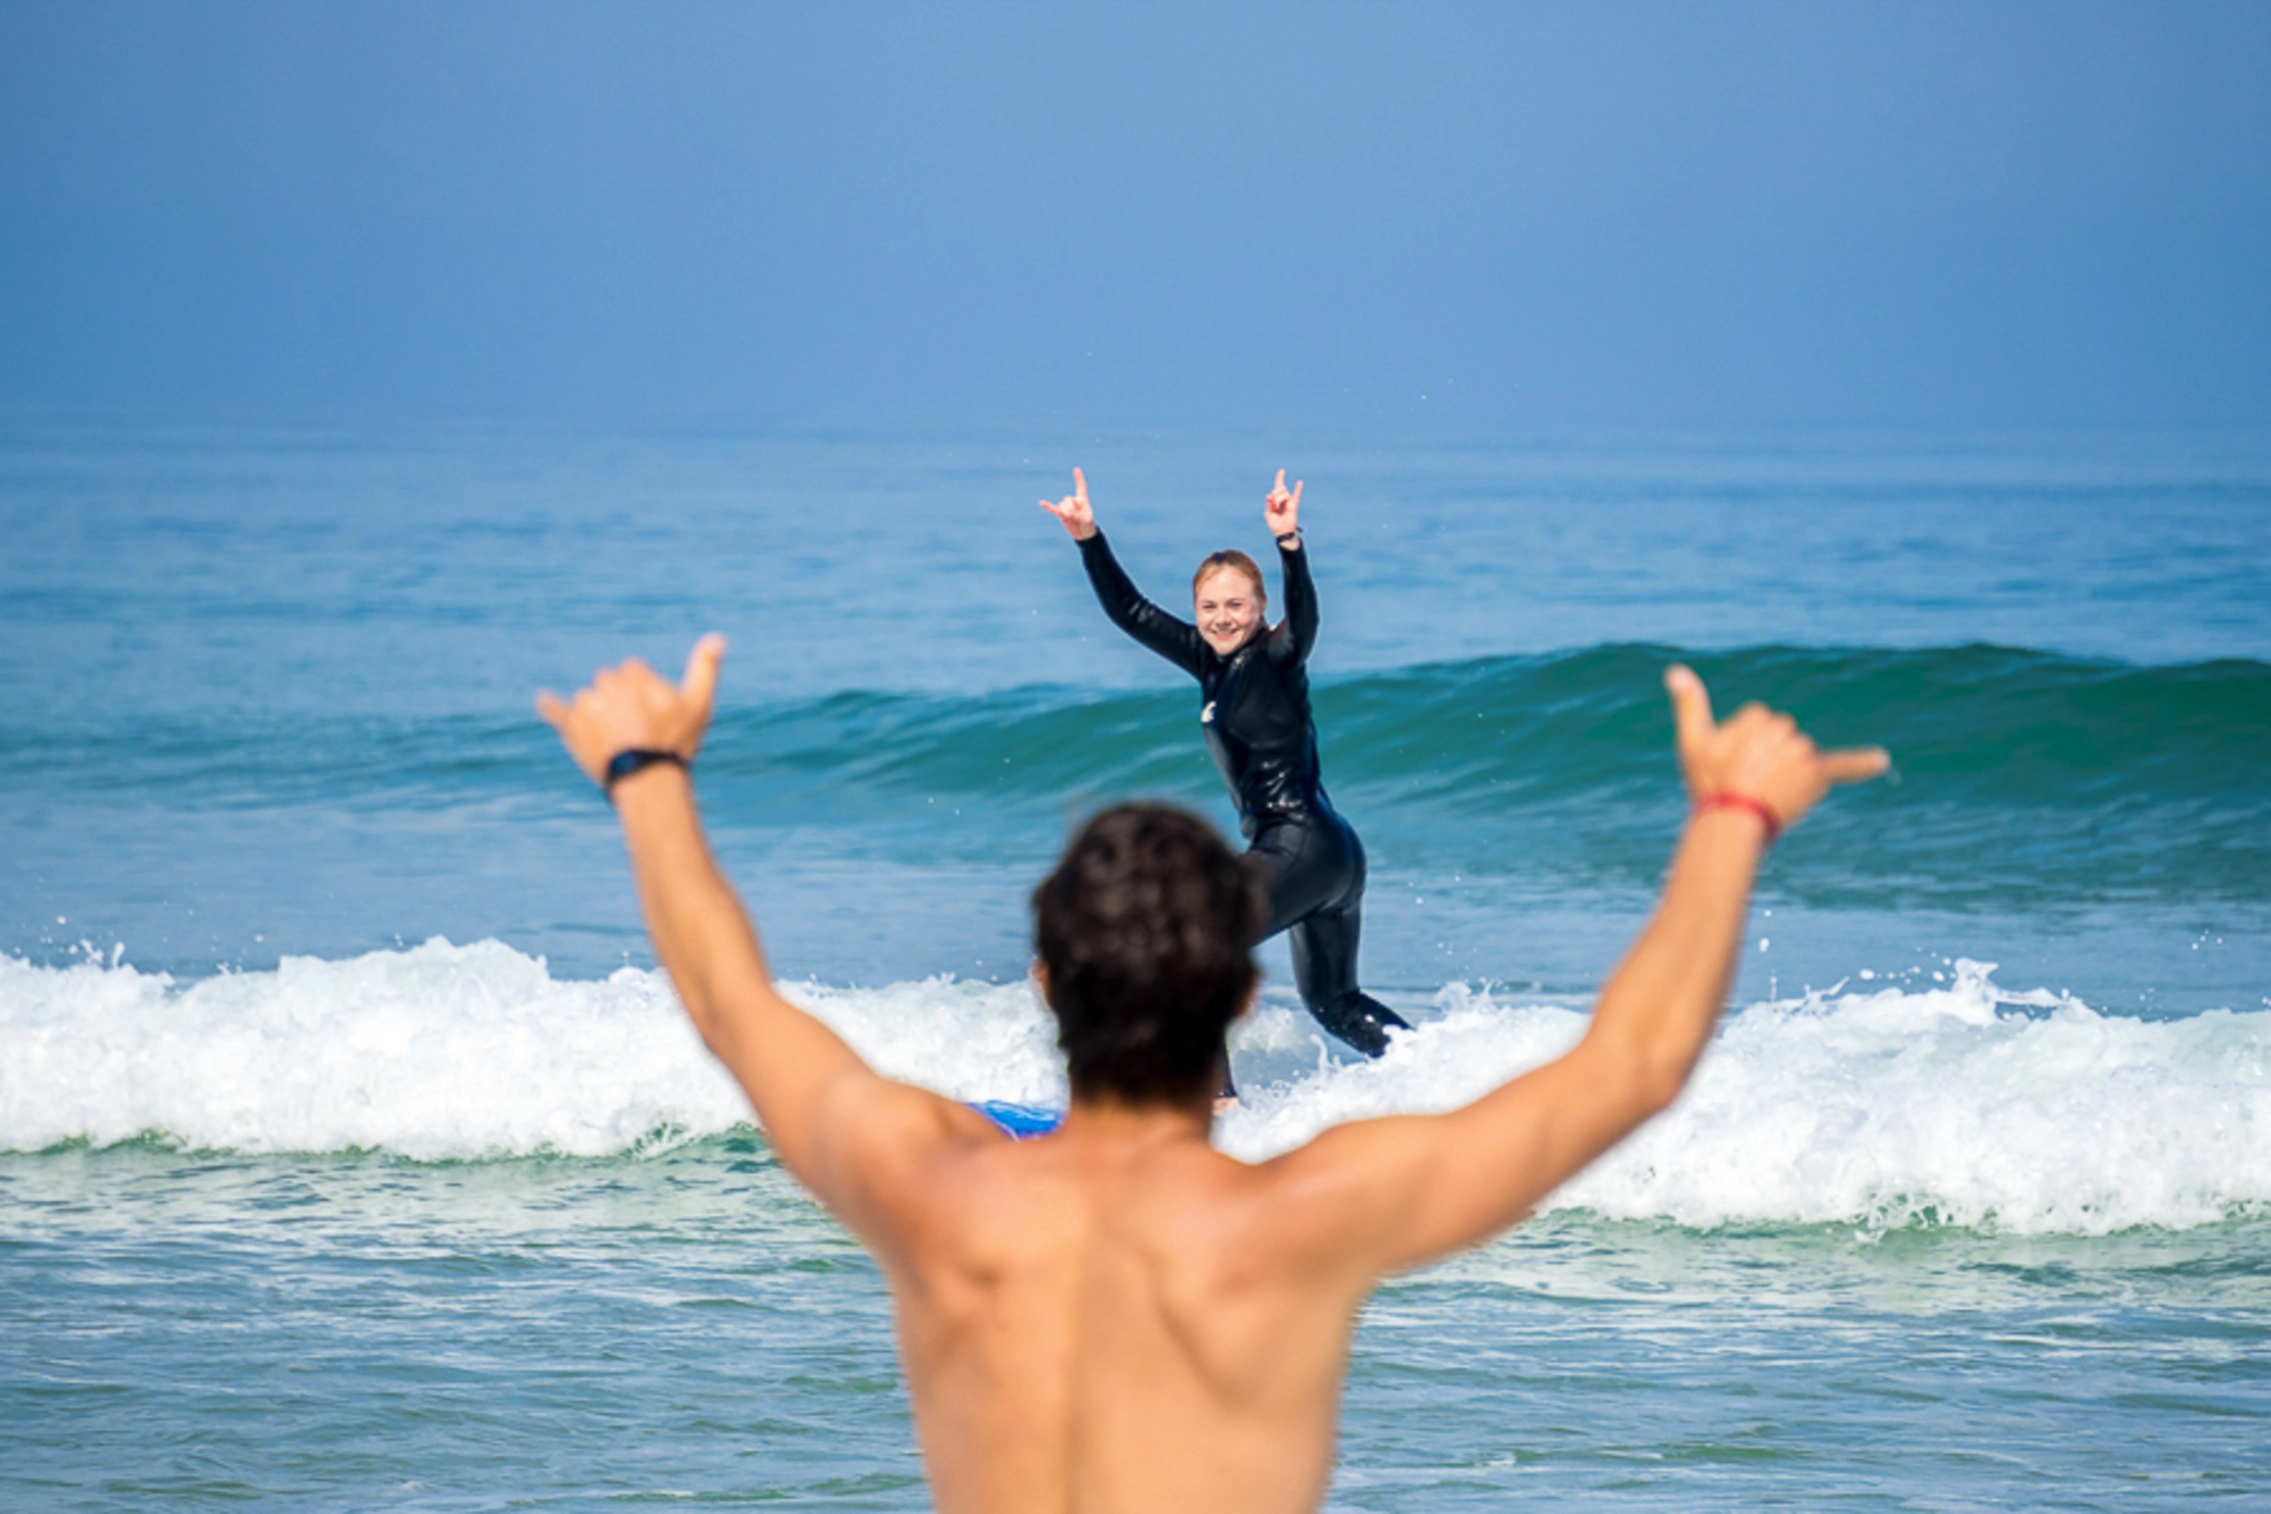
(1079, 521)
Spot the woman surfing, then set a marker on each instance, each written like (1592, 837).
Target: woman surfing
(1254, 687)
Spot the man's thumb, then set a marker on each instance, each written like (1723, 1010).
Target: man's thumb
(701, 683)
(1691, 705)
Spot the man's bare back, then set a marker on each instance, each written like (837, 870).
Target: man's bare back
(1103, 1310)
(1117, 1316)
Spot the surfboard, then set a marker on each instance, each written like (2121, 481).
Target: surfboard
(1024, 1121)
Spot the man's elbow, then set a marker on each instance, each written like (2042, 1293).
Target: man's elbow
(1658, 1082)
(711, 1033)
(1647, 1079)
(695, 999)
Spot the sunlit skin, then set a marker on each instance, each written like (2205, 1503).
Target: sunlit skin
(1117, 1317)
(1226, 603)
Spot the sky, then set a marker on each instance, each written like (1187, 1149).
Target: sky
(1492, 217)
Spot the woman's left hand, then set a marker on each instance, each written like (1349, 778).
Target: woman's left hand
(1282, 510)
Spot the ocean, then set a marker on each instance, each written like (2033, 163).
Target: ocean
(354, 1156)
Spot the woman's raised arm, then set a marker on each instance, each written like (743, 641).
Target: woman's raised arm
(1297, 633)
(1176, 640)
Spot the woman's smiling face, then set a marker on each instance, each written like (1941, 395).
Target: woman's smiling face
(1227, 604)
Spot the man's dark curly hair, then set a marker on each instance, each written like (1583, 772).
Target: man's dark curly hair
(1147, 928)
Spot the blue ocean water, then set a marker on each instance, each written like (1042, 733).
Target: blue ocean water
(352, 1155)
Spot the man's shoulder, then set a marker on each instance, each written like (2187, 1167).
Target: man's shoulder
(899, 1142)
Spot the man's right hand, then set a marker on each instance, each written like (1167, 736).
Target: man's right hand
(631, 706)
(1079, 521)
(1758, 754)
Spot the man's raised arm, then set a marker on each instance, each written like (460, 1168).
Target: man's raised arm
(635, 733)
(1425, 1186)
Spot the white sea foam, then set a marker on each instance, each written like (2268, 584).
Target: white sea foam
(1963, 1103)
(439, 1052)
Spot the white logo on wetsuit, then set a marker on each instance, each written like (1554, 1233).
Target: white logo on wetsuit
(1206, 716)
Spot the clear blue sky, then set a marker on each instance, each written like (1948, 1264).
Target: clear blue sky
(1533, 215)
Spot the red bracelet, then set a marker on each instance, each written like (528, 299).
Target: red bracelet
(1767, 817)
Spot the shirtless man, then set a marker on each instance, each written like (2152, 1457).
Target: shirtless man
(1117, 1316)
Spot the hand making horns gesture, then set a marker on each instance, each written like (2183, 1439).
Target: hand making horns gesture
(1079, 521)
(1281, 511)
(1758, 755)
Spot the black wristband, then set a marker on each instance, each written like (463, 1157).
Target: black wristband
(624, 763)
(1292, 535)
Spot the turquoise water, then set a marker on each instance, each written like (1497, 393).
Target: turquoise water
(352, 1156)
(358, 1331)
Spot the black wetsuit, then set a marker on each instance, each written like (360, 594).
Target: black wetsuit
(1257, 724)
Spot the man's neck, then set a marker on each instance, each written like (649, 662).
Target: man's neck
(1115, 1122)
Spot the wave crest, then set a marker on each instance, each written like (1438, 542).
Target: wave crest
(1965, 1104)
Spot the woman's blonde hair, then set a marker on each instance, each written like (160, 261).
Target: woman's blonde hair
(1233, 559)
